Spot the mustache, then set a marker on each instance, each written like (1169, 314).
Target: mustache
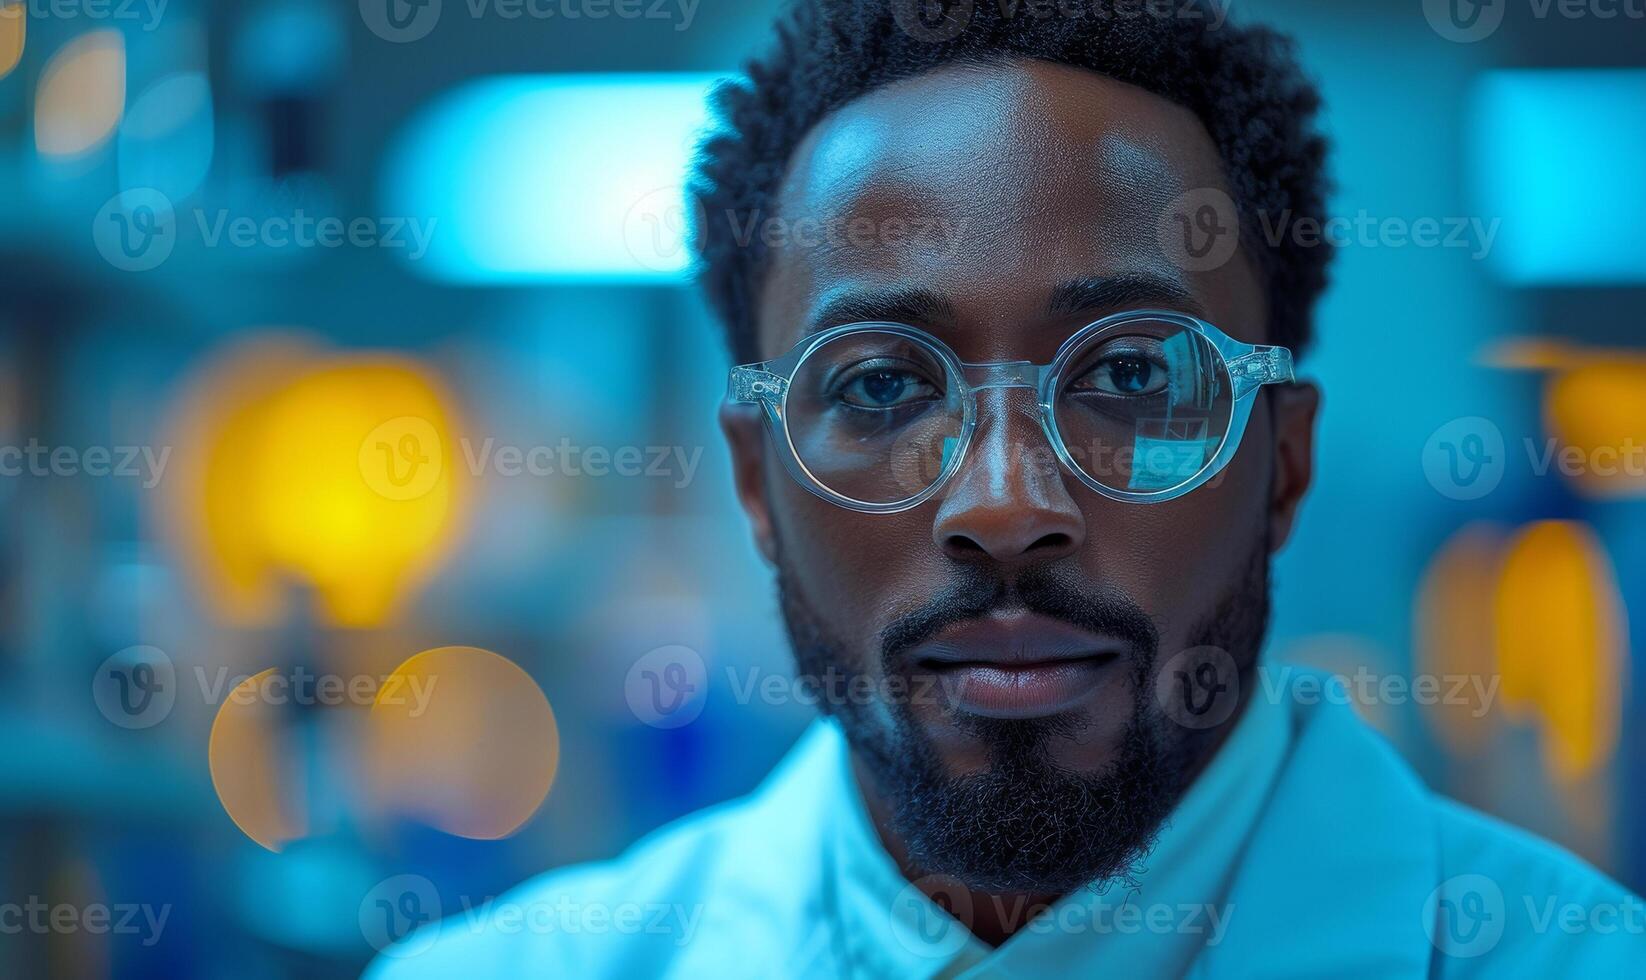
(1042, 590)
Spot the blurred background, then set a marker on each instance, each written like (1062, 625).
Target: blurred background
(347, 346)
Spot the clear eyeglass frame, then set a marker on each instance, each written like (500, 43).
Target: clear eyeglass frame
(1248, 367)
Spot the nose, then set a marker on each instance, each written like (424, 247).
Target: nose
(1009, 502)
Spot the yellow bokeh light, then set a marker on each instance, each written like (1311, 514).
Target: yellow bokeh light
(1454, 636)
(1599, 408)
(14, 29)
(338, 471)
(217, 444)
(323, 510)
(82, 95)
(250, 769)
(464, 740)
(1560, 636)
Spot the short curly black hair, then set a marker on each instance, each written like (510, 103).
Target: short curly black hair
(1243, 82)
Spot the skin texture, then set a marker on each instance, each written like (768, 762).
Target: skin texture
(1046, 175)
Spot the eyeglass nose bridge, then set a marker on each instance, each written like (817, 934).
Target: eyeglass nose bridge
(1003, 374)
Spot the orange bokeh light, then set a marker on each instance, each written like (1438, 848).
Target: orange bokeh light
(464, 740)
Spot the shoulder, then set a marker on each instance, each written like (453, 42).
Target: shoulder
(1395, 875)
(736, 872)
(1509, 897)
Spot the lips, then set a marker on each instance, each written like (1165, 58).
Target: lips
(1018, 665)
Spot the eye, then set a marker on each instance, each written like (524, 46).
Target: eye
(1128, 373)
(881, 387)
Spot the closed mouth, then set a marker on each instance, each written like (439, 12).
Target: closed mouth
(1018, 665)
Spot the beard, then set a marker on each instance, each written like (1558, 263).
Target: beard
(1024, 823)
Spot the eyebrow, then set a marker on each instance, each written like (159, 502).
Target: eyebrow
(901, 305)
(918, 305)
(1131, 289)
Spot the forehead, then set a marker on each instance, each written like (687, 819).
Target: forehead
(999, 206)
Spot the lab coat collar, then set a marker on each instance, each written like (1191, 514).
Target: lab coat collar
(1342, 863)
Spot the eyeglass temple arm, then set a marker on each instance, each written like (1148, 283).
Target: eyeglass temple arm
(1258, 367)
(753, 383)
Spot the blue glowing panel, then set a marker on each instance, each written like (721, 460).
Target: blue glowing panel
(552, 177)
(1557, 156)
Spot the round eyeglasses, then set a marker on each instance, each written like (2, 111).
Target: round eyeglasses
(1142, 406)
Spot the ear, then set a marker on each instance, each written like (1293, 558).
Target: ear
(745, 434)
(1295, 407)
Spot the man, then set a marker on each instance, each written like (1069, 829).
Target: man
(1016, 424)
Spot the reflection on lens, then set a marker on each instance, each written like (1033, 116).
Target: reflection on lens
(1144, 407)
(874, 416)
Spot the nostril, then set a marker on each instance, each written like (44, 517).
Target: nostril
(965, 546)
(1056, 541)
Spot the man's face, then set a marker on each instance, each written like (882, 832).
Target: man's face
(1001, 209)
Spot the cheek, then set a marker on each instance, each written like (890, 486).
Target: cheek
(857, 571)
(1178, 559)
